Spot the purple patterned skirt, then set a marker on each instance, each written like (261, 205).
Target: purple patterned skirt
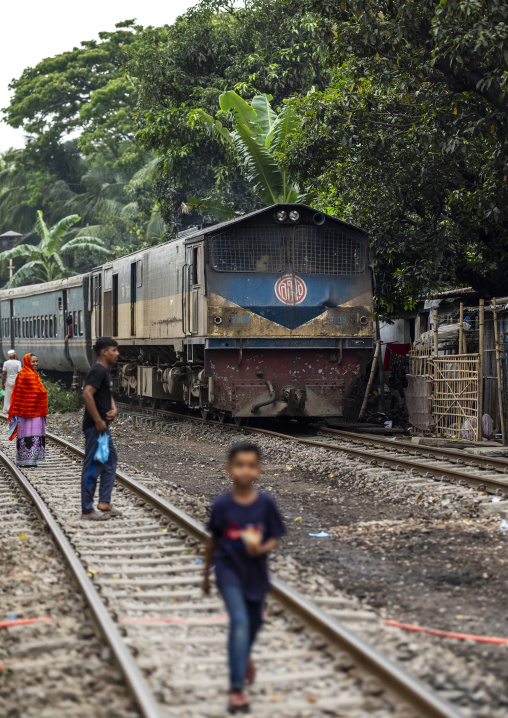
(31, 441)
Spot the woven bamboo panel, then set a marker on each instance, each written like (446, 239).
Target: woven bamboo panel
(455, 381)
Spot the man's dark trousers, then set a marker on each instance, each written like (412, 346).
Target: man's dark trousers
(92, 469)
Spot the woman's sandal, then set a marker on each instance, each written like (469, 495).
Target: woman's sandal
(238, 702)
(97, 516)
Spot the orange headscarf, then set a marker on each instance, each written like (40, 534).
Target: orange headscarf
(29, 396)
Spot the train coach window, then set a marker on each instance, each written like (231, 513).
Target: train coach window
(80, 322)
(19, 327)
(253, 249)
(314, 251)
(46, 326)
(38, 330)
(75, 322)
(50, 325)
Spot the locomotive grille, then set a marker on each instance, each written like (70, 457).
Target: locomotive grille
(251, 249)
(314, 251)
(310, 250)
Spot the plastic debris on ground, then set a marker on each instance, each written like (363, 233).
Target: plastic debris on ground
(321, 534)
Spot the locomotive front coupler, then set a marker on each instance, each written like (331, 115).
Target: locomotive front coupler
(295, 398)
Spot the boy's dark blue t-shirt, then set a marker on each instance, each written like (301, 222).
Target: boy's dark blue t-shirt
(229, 521)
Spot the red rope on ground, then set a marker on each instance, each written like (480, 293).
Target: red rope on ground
(23, 621)
(162, 619)
(445, 634)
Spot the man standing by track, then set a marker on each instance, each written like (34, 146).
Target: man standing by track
(100, 410)
(10, 371)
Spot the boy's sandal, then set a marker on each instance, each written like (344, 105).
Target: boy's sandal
(238, 702)
(97, 516)
(250, 672)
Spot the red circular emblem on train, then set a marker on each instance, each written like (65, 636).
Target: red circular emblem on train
(290, 289)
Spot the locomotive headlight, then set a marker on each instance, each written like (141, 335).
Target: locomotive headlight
(280, 216)
(294, 216)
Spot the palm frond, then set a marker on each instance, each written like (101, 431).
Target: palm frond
(27, 274)
(260, 168)
(155, 226)
(79, 245)
(58, 231)
(42, 229)
(148, 171)
(22, 250)
(265, 116)
(244, 113)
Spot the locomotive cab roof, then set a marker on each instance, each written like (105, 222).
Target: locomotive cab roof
(306, 215)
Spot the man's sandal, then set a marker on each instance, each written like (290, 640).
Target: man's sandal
(97, 516)
(112, 511)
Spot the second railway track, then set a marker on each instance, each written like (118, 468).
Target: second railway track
(489, 474)
(146, 566)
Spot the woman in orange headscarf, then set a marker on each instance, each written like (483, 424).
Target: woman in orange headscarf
(27, 414)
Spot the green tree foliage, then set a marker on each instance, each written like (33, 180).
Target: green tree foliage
(263, 46)
(257, 135)
(84, 89)
(46, 259)
(409, 140)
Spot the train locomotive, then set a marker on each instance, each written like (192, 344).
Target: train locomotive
(268, 315)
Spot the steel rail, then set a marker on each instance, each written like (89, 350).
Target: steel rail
(475, 461)
(417, 468)
(395, 680)
(137, 685)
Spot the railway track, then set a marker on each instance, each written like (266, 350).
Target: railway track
(52, 662)
(488, 474)
(140, 575)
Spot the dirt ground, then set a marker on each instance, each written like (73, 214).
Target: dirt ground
(443, 568)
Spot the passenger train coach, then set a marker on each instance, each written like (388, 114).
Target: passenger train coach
(265, 315)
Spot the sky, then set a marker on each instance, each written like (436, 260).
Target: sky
(33, 30)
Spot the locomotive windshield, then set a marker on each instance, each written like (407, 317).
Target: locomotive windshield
(329, 251)
(309, 250)
(253, 249)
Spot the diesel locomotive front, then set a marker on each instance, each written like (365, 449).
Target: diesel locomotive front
(265, 315)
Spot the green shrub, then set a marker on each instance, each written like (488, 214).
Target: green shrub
(60, 399)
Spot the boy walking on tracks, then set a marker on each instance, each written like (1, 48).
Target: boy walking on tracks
(100, 410)
(245, 525)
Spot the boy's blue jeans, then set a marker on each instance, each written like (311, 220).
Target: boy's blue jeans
(246, 618)
(93, 469)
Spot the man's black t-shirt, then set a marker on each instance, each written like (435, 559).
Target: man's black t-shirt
(100, 378)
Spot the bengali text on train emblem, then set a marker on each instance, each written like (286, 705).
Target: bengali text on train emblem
(290, 289)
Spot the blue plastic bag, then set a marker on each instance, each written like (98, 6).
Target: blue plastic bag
(102, 452)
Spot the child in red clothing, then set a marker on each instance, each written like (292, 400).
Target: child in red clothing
(245, 525)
